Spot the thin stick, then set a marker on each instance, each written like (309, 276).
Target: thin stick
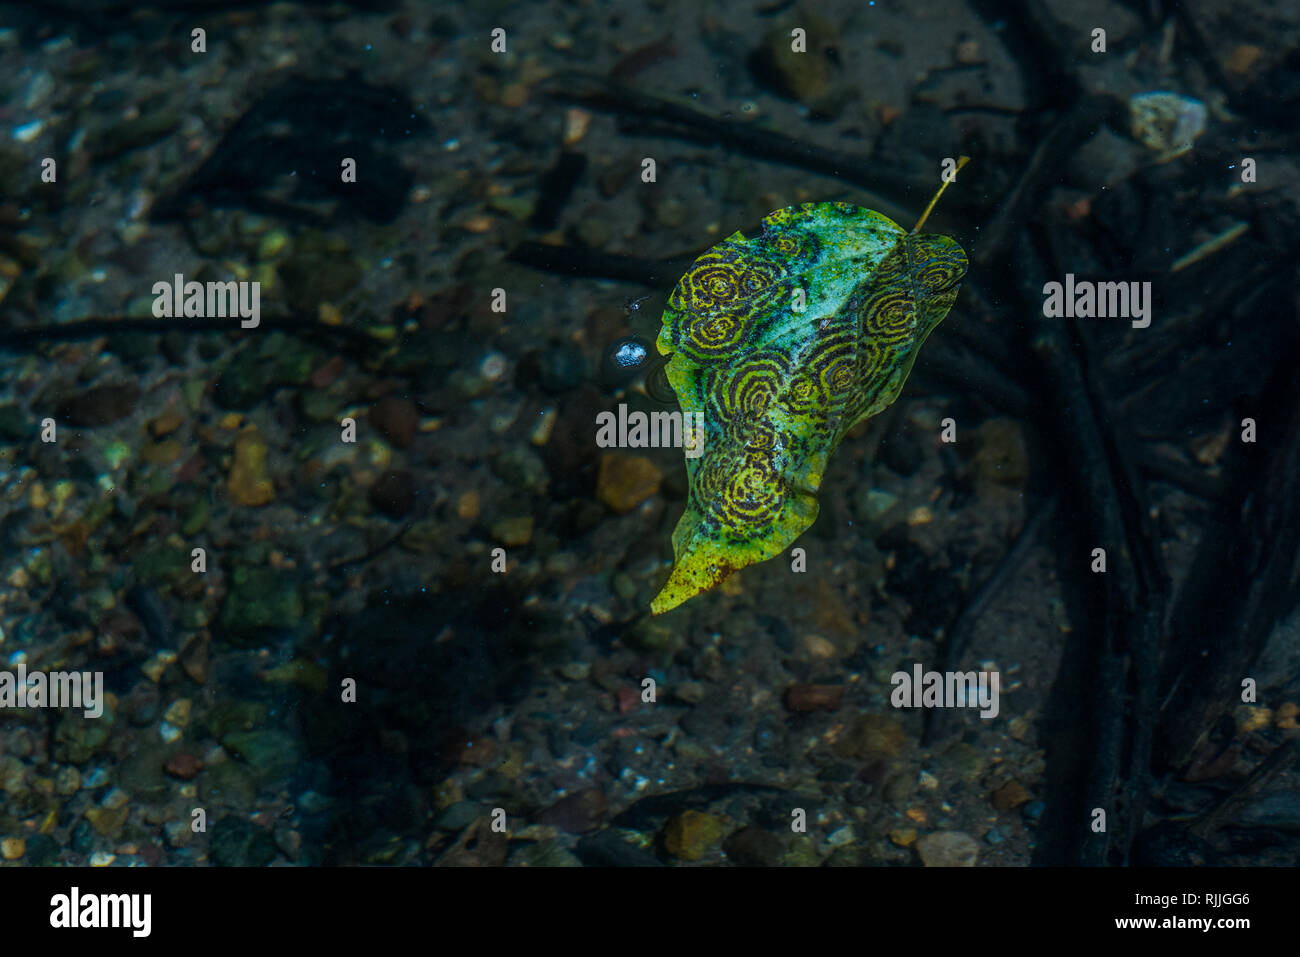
(962, 161)
(1210, 246)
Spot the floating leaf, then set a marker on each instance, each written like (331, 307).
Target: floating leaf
(785, 341)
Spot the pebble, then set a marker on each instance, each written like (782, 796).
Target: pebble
(272, 244)
(467, 506)
(521, 468)
(625, 480)
(12, 848)
(164, 452)
(249, 484)
(872, 504)
(236, 842)
(514, 95)
(183, 765)
(478, 846)
(78, 738)
(805, 697)
(874, 735)
(1286, 716)
(27, 132)
(195, 658)
(177, 833)
(13, 424)
(561, 368)
(397, 419)
(38, 498)
(967, 761)
(269, 754)
(458, 816)
(97, 778)
(518, 208)
(670, 213)
(289, 842)
(823, 649)
(446, 793)
(803, 76)
(67, 781)
(477, 752)
(101, 405)
(754, 847)
(690, 834)
(1003, 455)
(903, 836)
(576, 813)
(541, 433)
(545, 854)
(628, 698)
(576, 122)
(394, 493)
(948, 849)
(967, 52)
(653, 634)
(107, 822)
(179, 712)
(513, 531)
(141, 773)
(1105, 159)
(82, 840)
(575, 670)
(802, 854)
(1255, 718)
(259, 599)
(611, 180)
(165, 424)
(43, 850)
(301, 672)
(593, 232)
(842, 836)
(692, 692)
(1010, 795)
(19, 743)
(1166, 123)
(38, 90)
(469, 385)
(1243, 58)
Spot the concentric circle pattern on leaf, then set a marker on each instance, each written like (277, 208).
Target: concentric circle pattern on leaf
(784, 341)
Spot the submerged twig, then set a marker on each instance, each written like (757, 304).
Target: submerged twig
(963, 629)
(602, 93)
(1245, 579)
(25, 337)
(1244, 793)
